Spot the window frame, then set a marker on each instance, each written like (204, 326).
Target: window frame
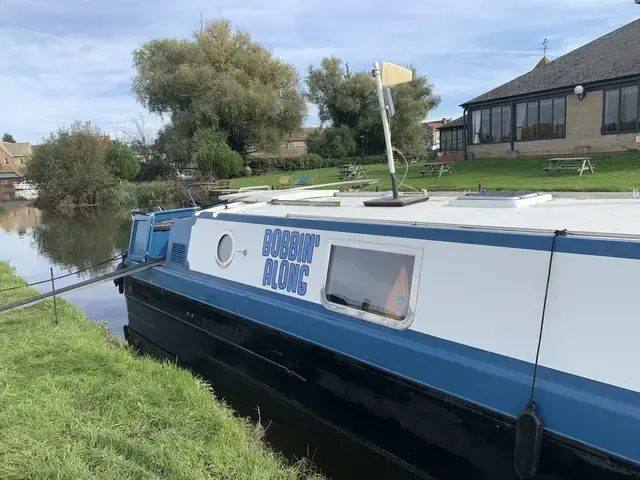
(415, 252)
(501, 106)
(619, 88)
(537, 100)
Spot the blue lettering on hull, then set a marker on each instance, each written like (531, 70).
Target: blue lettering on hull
(289, 255)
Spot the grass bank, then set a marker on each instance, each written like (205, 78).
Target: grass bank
(75, 405)
(613, 173)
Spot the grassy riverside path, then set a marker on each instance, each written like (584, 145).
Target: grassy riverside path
(75, 404)
(614, 173)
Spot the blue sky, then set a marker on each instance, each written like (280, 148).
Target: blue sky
(65, 60)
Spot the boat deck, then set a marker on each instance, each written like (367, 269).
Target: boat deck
(596, 215)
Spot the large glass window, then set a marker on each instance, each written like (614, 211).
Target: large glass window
(475, 125)
(532, 120)
(621, 107)
(558, 117)
(506, 123)
(611, 110)
(496, 124)
(370, 281)
(540, 119)
(485, 127)
(546, 118)
(490, 125)
(521, 121)
(629, 108)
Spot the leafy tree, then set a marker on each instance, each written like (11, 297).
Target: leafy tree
(69, 167)
(332, 142)
(214, 157)
(220, 80)
(7, 137)
(349, 100)
(122, 160)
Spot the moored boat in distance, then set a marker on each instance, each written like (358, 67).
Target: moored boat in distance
(475, 336)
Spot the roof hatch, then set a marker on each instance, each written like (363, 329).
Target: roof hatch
(500, 199)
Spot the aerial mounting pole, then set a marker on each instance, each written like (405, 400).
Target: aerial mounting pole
(386, 76)
(377, 72)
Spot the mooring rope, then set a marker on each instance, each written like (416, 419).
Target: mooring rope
(557, 233)
(112, 259)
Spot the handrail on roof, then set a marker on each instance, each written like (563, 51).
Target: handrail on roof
(243, 195)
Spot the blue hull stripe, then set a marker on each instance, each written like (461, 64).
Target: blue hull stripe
(607, 247)
(597, 414)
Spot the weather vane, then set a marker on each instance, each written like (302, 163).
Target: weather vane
(545, 46)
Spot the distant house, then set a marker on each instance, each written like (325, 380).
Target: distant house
(431, 133)
(294, 145)
(586, 101)
(13, 159)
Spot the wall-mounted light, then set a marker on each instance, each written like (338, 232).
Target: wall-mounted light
(579, 91)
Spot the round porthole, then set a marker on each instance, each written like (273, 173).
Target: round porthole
(225, 250)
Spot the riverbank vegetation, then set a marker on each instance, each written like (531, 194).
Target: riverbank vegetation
(613, 173)
(80, 166)
(77, 404)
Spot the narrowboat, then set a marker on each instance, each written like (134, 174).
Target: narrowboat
(473, 336)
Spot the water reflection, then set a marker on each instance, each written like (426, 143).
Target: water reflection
(33, 240)
(86, 238)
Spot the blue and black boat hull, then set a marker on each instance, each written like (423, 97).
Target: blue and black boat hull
(352, 419)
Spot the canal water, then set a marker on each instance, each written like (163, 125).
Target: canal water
(34, 240)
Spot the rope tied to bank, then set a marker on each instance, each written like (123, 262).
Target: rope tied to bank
(112, 259)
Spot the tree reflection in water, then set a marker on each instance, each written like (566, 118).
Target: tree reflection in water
(82, 239)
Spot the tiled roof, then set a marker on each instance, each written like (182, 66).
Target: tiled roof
(614, 55)
(21, 149)
(10, 172)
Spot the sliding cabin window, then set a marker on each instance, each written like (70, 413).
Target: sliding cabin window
(372, 284)
(621, 107)
(491, 125)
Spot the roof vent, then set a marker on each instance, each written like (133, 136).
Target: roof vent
(500, 199)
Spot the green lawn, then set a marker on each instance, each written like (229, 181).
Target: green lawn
(613, 173)
(74, 405)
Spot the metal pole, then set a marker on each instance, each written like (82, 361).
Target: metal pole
(53, 290)
(385, 126)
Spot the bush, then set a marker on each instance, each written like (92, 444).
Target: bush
(312, 162)
(69, 167)
(147, 195)
(122, 160)
(218, 159)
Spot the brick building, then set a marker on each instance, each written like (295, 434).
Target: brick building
(586, 101)
(294, 146)
(13, 159)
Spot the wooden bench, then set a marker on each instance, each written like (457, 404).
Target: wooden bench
(578, 164)
(436, 167)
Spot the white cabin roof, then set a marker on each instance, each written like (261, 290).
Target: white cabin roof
(595, 213)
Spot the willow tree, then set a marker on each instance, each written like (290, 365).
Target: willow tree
(220, 80)
(348, 101)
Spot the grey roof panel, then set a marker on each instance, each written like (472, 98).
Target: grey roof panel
(458, 122)
(615, 55)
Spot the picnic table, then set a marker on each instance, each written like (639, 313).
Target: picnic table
(436, 167)
(579, 164)
(352, 172)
